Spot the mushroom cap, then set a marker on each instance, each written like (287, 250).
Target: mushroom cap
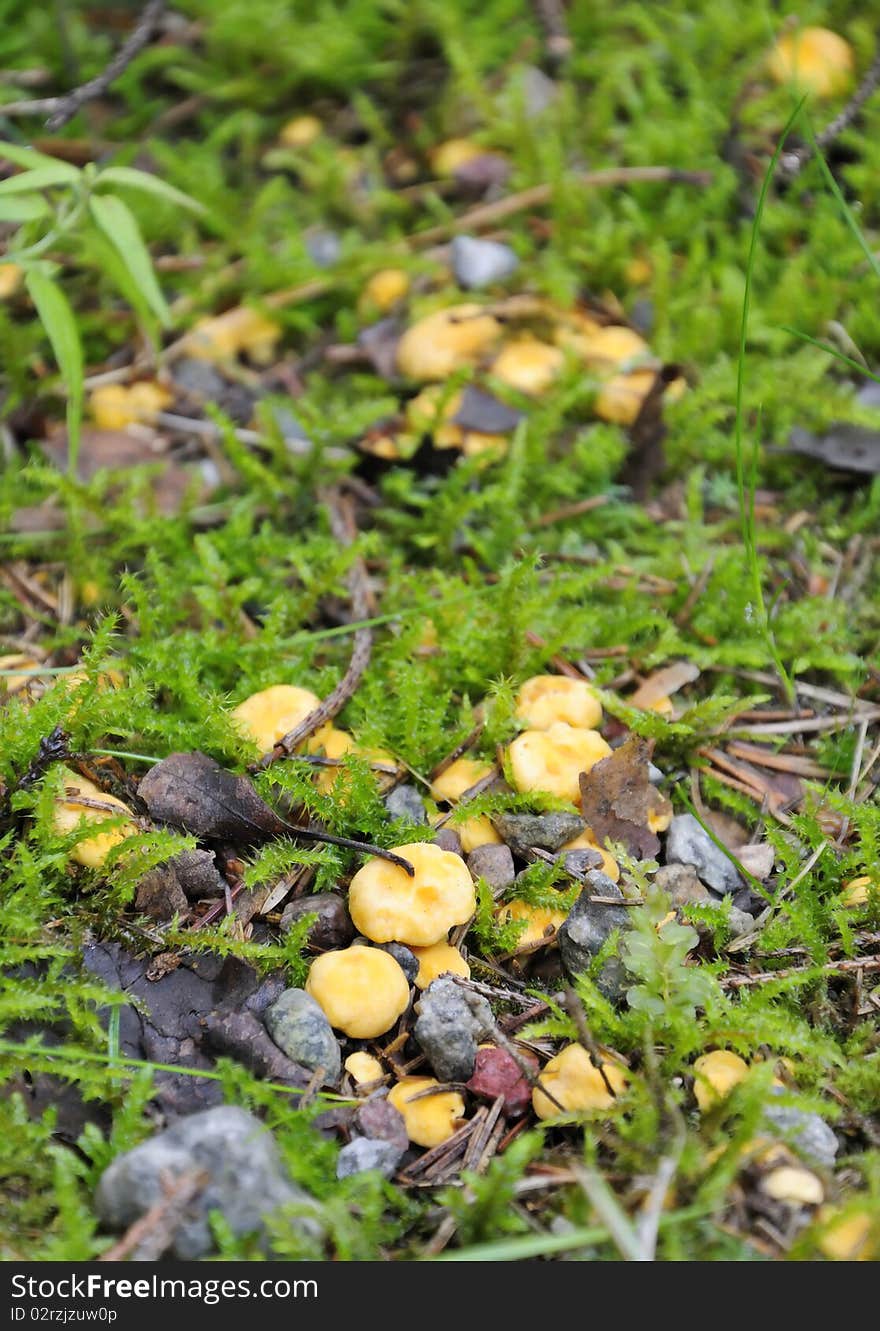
(553, 759)
(113, 406)
(240, 329)
(69, 815)
(361, 990)
(586, 841)
(439, 959)
(544, 699)
(10, 279)
(528, 365)
(363, 1067)
(715, 1075)
(610, 346)
(572, 1079)
(849, 1236)
(432, 1119)
(794, 1184)
(855, 891)
(387, 906)
(620, 398)
(539, 919)
(448, 156)
(300, 131)
(385, 289)
(816, 59)
(459, 777)
(445, 341)
(267, 716)
(477, 832)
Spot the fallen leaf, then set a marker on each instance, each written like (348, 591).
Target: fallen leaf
(617, 798)
(843, 447)
(193, 792)
(663, 683)
(483, 412)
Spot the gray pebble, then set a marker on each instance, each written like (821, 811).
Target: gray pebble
(546, 831)
(246, 1179)
(479, 263)
(363, 1153)
(298, 1026)
(740, 922)
(586, 928)
(538, 91)
(681, 884)
(377, 1118)
(579, 862)
(323, 247)
(450, 1023)
(688, 843)
(333, 927)
(808, 1133)
(406, 802)
(448, 839)
(494, 864)
(198, 378)
(406, 960)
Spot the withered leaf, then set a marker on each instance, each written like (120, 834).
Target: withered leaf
(844, 447)
(193, 792)
(617, 798)
(663, 683)
(484, 413)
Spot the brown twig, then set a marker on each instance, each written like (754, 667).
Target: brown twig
(551, 16)
(848, 966)
(342, 524)
(62, 109)
(151, 1235)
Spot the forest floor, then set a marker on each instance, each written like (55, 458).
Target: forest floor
(246, 445)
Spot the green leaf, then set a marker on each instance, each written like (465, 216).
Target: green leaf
(26, 208)
(42, 177)
(31, 160)
(59, 322)
(142, 180)
(117, 222)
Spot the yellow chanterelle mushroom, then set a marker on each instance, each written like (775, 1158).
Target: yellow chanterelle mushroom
(715, 1076)
(445, 341)
(553, 759)
(439, 959)
(77, 805)
(430, 1119)
(449, 787)
(576, 1084)
(548, 698)
(361, 990)
(388, 906)
(816, 60)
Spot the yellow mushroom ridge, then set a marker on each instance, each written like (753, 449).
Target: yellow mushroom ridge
(69, 815)
(388, 906)
(553, 759)
(576, 1085)
(545, 699)
(429, 1119)
(439, 959)
(361, 990)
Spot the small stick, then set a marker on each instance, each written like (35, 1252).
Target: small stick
(794, 162)
(150, 1235)
(342, 524)
(846, 967)
(62, 109)
(575, 1009)
(551, 16)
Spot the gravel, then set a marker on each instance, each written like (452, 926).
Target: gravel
(405, 802)
(479, 263)
(298, 1026)
(450, 1024)
(494, 864)
(544, 831)
(333, 927)
(365, 1153)
(688, 843)
(586, 928)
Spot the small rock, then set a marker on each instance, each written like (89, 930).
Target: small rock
(298, 1027)
(245, 1182)
(198, 874)
(546, 831)
(333, 927)
(406, 960)
(808, 1133)
(687, 843)
(579, 862)
(448, 839)
(198, 379)
(450, 1022)
(494, 864)
(497, 1073)
(758, 860)
(406, 802)
(585, 929)
(642, 318)
(655, 776)
(378, 1119)
(363, 1153)
(479, 263)
(292, 432)
(740, 922)
(538, 91)
(323, 247)
(159, 894)
(480, 174)
(681, 884)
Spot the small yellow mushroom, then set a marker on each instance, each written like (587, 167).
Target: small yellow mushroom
(576, 1084)
(70, 814)
(439, 959)
(541, 921)
(445, 341)
(363, 1068)
(239, 330)
(620, 399)
(850, 1236)
(586, 841)
(267, 716)
(16, 683)
(459, 777)
(794, 1184)
(113, 406)
(855, 892)
(447, 157)
(553, 759)
(528, 365)
(611, 346)
(814, 59)
(385, 289)
(361, 990)
(10, 279)
(432, 1119)
(431, 412)
(387, 905)
(715, 1076)
(548, 698)
(300, 132)
(639, 271)
(334, 743)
